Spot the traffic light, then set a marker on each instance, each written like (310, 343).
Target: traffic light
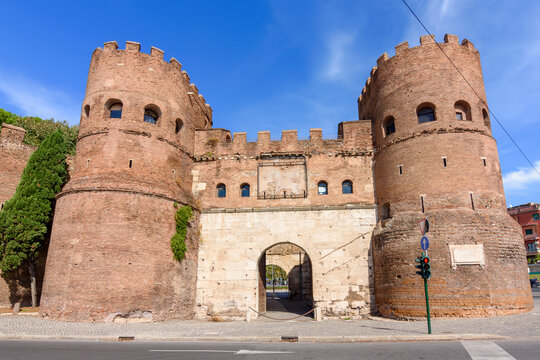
(426, 267)
(420, 266)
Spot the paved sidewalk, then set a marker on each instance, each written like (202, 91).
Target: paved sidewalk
(375, 329)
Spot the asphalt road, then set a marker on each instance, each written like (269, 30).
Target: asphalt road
(449, 350)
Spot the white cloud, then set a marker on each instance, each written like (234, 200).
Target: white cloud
(522, 178)
(338, 63)
(35, 99)
(445, 6)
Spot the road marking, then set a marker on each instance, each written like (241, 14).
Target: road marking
(239, 352)
(486, 350)
(246, 352)
(208, 351)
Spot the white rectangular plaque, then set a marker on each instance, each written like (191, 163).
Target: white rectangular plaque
(467, 255)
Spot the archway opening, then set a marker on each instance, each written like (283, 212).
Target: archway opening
(285, 281)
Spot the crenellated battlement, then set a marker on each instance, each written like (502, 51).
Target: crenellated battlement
(426, 42)
(174, 65)
(352, 135)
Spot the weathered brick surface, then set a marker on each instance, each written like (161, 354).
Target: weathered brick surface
(115, 218)
(110, 258)
(500, 287)
(13, 157)
(462, 195)
(331, 167)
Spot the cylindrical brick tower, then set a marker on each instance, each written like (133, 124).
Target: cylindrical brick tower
(110, 256)
(435, 158)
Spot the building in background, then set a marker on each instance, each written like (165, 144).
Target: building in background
(528, 217)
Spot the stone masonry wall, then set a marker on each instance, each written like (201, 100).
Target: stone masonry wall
(337, 242)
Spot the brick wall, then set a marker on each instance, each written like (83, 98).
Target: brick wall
(13, 157)
(122, 268)
(115, 218)
(447, 171)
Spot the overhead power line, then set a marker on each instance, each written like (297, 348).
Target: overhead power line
(472, 88)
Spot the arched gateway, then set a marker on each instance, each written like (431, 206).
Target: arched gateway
(290, 290)
(237, 246)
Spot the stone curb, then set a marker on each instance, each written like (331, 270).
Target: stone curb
(322, 339)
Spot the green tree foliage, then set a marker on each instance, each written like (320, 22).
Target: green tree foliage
(279, 273)
(178, 241)
(38, 129)
(24, 218)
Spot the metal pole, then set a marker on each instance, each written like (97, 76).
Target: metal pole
(427, 307)
(273, 287)
(300, 280)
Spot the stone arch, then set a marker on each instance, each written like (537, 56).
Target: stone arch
(300, 271)
(281, 262)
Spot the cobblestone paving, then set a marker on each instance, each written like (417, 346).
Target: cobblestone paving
(523, 325)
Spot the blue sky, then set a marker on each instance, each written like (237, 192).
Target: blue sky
(276, 65)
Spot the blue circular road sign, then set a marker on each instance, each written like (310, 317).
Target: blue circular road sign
(424, 243)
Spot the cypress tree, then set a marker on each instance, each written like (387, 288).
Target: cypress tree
(25, 218)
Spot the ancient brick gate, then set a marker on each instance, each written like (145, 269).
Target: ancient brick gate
(110, 240)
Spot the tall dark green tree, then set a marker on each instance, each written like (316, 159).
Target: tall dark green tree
(25, 218)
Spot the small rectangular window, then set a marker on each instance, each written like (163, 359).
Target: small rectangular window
(116, 114)
(400, 169)
(528, 231)
(422, 202)
(536, 216)
(444, 161)
(472, 200)
(484, 161)
(459, 116)
(130, 163)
